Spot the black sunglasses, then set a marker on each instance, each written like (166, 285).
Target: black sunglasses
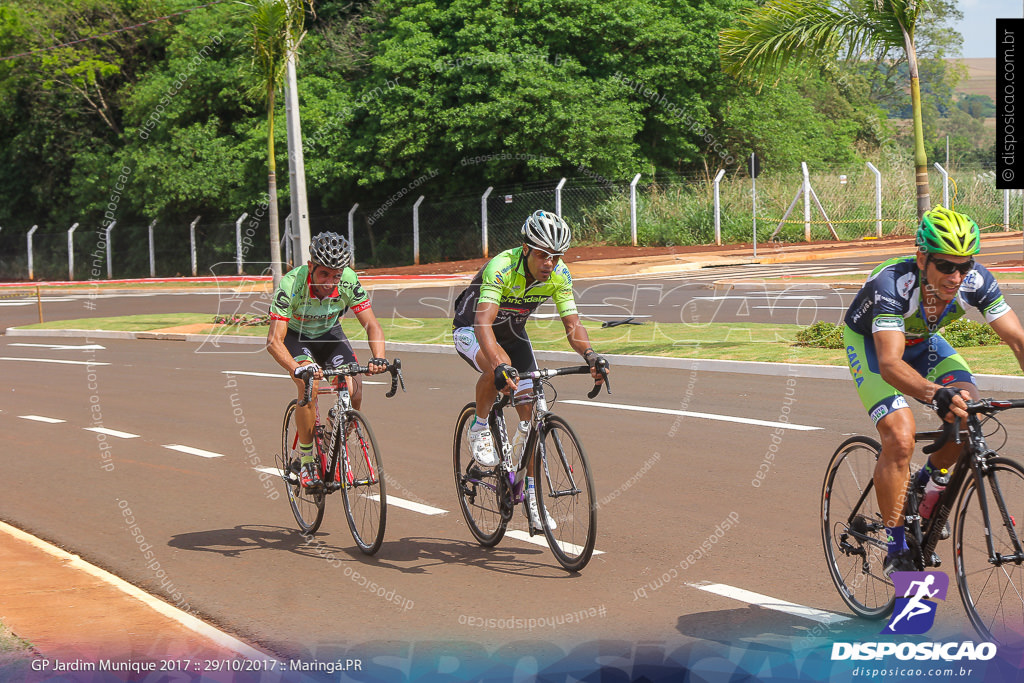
(948, 267)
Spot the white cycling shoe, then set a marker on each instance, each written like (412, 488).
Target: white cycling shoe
(534, 514)
(483, 447)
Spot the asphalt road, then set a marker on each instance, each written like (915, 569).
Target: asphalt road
(680, 506)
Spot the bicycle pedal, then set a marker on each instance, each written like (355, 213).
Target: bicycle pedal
(936, 561)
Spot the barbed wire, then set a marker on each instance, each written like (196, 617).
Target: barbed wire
(113, 32)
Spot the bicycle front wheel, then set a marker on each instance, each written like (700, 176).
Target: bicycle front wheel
(992, 586)
(476, 487)
(307, 506)
(362, 484)
(565, 491)
(852, 530)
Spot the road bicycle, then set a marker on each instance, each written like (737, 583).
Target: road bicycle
(347, 458)
(983, 500)
(564, 487)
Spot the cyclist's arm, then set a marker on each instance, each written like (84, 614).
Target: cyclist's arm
(1009, 329)
(493, 353)
(276, 347)
(374, 334)
(890, 345)
(579, 340)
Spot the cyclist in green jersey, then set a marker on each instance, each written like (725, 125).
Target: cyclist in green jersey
(305, 331)
(894, 348)
(489, 328)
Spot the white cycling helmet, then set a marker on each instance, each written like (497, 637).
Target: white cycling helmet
(331, 250)
(547, 231)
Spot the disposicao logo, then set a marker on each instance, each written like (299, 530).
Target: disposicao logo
(916, 593)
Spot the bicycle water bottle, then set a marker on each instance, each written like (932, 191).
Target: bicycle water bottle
(932, 490)
(519, 442)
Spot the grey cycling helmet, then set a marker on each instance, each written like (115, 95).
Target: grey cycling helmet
(331, 250)
(547, 231)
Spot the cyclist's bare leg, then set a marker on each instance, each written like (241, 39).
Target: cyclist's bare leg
(305, 416)
(896, 432)
(355, 390)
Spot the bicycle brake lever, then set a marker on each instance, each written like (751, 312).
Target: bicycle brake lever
(396, 377)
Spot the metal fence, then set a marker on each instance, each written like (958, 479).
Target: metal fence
(419, 225)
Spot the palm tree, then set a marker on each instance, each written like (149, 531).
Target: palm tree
(276, 31)
(782, 31)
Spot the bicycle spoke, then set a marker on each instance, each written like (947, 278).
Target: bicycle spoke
(362, 489)
(565, 493)
(476, 488)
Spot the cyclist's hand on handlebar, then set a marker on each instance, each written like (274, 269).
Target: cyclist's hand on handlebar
(598, 365)
(950, 403)
(377, 365)
(506, 378)
(300, 372)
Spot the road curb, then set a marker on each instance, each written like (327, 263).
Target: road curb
(1006, 383)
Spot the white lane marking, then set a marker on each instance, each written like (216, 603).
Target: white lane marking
(593, 315)
(40, 418)
(193, 451)
(16, 303)
(64, 347)
(817, 308)
(252, 374)
(689, 413)
(270, 470)
(111, 432)
(411, 505)
(185, 619)
(768, 602)
(271, 374)
(541, 539)
(52, 360)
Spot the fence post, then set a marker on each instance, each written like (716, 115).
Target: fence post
(718, 207)
(945, 184)
(238, 240)
(152, 253)
(416, 230)
(352, 231)
(1006, 210)
(632, 207)
(558, 197)
(807, 202)
(483, 220)
(71, 252)
(878, 199)
(192, 239)
(110, 252)
(31, 275)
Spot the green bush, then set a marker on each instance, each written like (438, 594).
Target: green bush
(964, 332)
(823, 335)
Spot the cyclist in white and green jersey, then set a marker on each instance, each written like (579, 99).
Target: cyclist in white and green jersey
(305, 331)
(894, 349)
(489, 327)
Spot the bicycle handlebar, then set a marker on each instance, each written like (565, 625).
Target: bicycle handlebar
(350, 370)
(571, 370)
(951, 430)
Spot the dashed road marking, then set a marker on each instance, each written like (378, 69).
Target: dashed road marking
(40, 418)
(689, 413)
(193, 451)
(54, 360)
(540, 539)
(412, 505)
(111, 432)
(768, 602)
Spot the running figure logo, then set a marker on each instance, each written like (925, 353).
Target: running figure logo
(916, 593)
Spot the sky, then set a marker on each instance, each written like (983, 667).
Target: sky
(979, 24)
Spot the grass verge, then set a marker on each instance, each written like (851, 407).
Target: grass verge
(763, 342)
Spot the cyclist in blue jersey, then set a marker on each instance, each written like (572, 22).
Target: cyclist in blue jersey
(894, 349)
(489, 328)
(305, 331)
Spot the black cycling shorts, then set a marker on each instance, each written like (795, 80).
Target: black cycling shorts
(330, 350)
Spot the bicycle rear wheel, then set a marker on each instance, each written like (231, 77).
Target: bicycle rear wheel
(992, 592)
(307, 506)
(476, 487)
(852, 530)
(362, 484)
(566, 491)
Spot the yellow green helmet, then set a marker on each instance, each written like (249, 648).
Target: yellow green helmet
(947, 232)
